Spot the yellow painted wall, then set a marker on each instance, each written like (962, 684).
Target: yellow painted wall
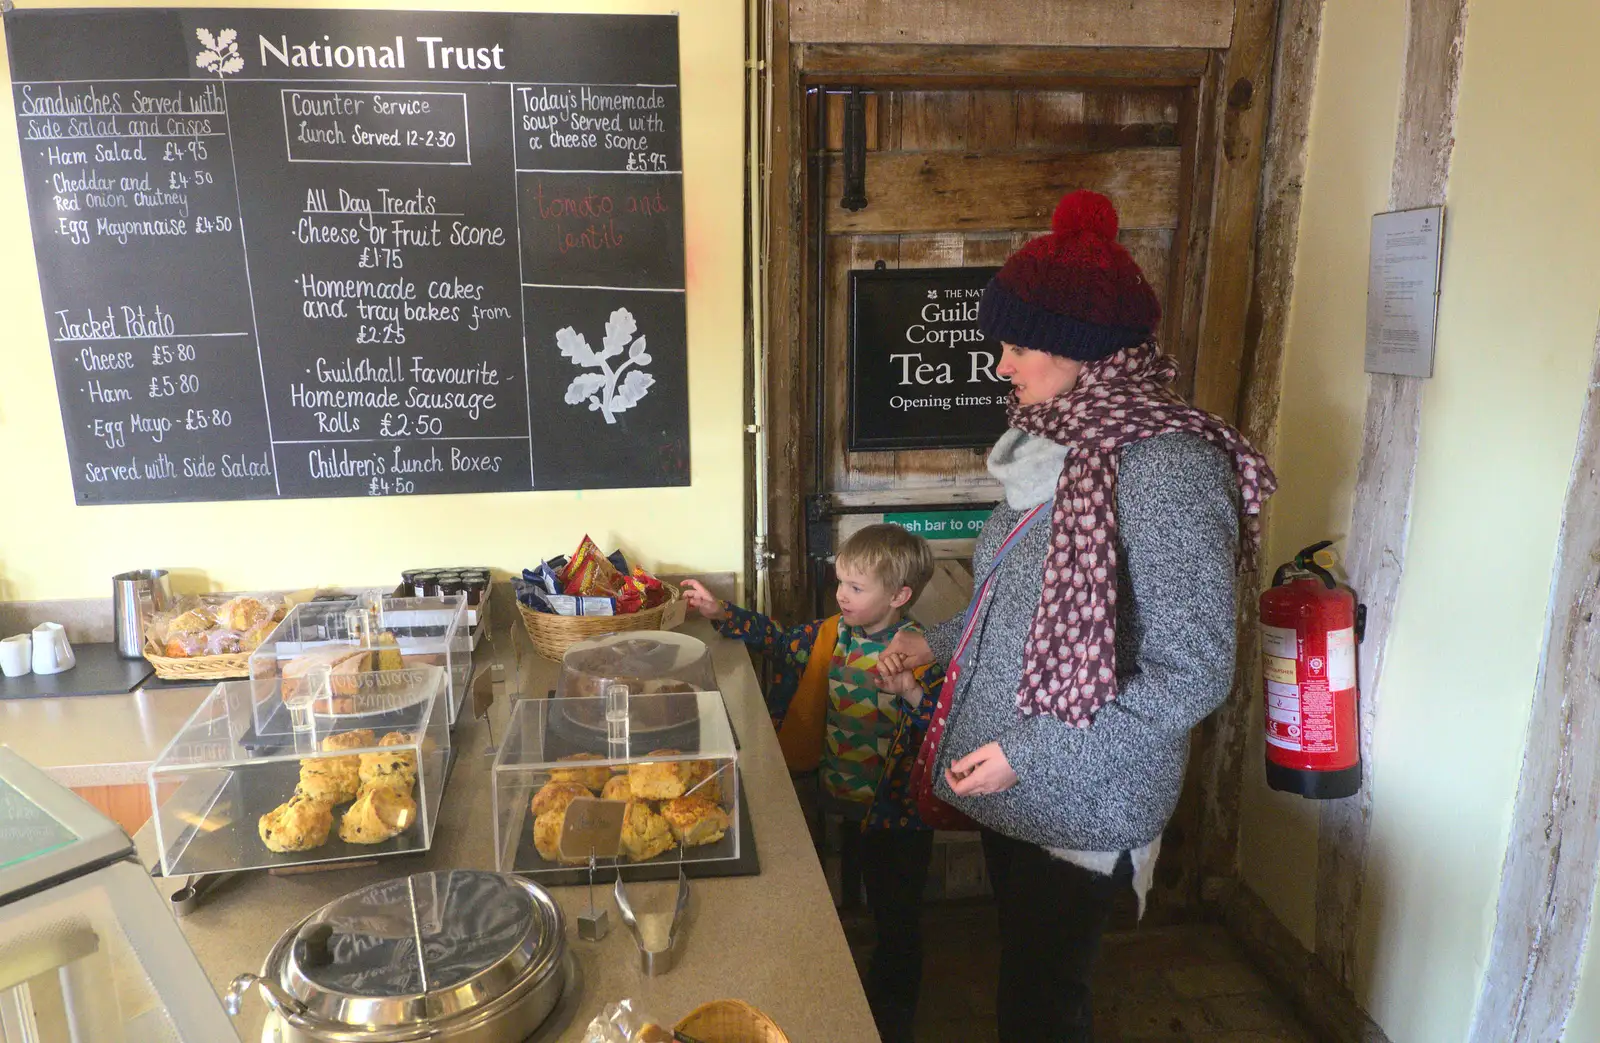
(51, 548)
(1520, 295)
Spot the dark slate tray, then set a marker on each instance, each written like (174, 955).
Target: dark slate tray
(100, 671)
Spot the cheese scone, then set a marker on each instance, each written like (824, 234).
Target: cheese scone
(594, 779)
(695, 820)
(547, 836)
(663, 780)
(555, 796)
(645, 834)
(617, 788)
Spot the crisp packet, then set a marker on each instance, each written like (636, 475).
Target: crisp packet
(636, 590)
(589, 572)
(618, 1023)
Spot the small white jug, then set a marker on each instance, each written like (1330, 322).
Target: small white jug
(52, 653)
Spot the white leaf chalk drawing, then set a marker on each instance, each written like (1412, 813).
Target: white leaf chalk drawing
(602, 390)
(221, 54)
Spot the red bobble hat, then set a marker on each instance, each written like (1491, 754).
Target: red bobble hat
(1075, 292)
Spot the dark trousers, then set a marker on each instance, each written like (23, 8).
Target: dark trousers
(1052, 914)
(894, 867)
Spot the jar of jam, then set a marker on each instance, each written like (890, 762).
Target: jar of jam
(424, 584)
(476, 585)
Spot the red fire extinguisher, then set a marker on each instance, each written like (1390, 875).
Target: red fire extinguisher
(1309, 631)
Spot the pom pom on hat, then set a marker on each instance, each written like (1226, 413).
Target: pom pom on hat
(1084, 211)
(1076, 292)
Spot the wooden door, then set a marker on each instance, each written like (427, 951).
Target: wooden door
(963, 178)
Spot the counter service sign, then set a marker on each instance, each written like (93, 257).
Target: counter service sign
(921, 372)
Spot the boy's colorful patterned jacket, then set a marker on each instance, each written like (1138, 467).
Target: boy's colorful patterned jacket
(866, 753)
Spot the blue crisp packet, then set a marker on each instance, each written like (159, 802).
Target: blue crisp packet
(618, 562)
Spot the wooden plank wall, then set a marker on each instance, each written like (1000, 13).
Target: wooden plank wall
(1102, 23)
(964, 177)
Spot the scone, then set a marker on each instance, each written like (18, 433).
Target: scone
(555, 796)
(351, 740)
(298, 824)
(695, 820)
(191, 622)
(402, 763)
(251, 639)
(242, 613)
(617, 788)
(379, 813)
(594, 779)
(331, 780)
(666, 780)
(704, 781)
(645, 834)
(547, 836)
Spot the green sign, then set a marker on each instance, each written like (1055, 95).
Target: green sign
(940, 525)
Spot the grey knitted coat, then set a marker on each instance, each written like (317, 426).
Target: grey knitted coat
(1111, 786)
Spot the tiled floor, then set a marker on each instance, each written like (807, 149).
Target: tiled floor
(1170, 984)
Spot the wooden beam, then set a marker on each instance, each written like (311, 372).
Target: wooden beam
(954, 191)
(1547, 885)
(1082, 23)
(1375, 553)
(786, 349)
(1266, 328)
(1230, 264)
(1198, 149)
(1322, 1003)
(946, 67)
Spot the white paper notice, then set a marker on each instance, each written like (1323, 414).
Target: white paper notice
(1403, 291)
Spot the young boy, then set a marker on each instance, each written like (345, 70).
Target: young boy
(871, 727)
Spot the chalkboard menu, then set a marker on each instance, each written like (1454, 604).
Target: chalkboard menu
(351, 253)
(921, 372)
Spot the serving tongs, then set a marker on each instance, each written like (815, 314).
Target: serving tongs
(658, 961)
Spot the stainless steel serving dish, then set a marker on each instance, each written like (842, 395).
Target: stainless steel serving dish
(460, 956)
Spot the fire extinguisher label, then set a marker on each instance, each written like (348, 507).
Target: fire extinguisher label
(1342, 659)
(1284, 727)
(1280, 642)
(1279, 670)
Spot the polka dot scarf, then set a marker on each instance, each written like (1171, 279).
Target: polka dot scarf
(1070, 664)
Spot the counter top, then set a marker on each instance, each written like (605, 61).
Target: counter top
(98, 740)
(772, 940)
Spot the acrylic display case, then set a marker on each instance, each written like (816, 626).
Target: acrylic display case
(373, 632)
(89, 952)
(222, 788)
(683, 783)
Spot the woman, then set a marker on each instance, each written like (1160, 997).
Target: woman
(1105, 631)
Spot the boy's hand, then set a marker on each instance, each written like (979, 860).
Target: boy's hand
(703, 601)
(909, 647)
(895, 677)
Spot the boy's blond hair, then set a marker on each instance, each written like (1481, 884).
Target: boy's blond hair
(896, 557)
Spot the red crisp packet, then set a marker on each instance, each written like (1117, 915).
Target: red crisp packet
(589, 574)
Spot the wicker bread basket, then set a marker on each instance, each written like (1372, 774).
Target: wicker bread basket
(730, 1021)
(552, 635)
(198, 668)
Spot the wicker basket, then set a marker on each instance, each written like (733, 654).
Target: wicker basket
(552, 635)
(730, 1021)
(200, 667)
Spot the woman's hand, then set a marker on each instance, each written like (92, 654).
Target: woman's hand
(983, 771)
(910, 648)
(703, 601)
